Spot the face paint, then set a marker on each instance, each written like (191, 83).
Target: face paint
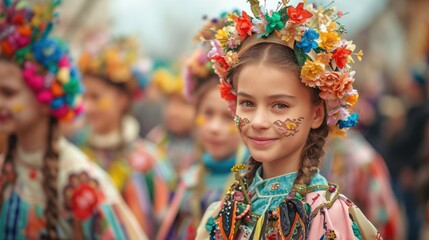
(200, 120)
(104, 103)
(289, 127)
(17, 108)
(240, 122)
(233, 128)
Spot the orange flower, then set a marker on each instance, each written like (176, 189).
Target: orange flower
(324, 58)
(335, 86)
(340, 56)
(298, 14)
(243, 25)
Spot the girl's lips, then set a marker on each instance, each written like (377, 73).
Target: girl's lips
(4, 117)
(259, 141)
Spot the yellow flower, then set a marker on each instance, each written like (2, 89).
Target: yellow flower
(311, 72)
(222, 37)
(63, 75)
(359, 55)
(328, 40)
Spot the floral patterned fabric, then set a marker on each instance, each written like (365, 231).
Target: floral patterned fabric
(134, 170)
(89, 205)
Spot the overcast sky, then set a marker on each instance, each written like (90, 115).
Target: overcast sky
(166, 27)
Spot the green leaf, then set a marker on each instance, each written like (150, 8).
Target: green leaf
(319, 50)
(283, 12)
(301, 56)
(254, 6)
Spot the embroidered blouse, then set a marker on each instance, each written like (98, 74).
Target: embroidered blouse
(263, 210)
(89, 205)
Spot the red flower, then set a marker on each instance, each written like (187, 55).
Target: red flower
(340, 56)
(298, 14)
(243, 25)
(84, 201)
(225, 90)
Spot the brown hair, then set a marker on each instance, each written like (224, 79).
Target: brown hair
(206, 85)
(50, 171)
(284, 57)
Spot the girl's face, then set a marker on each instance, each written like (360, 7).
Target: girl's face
(104, 105)
(275, 113)
(216, 129)
(19, 107)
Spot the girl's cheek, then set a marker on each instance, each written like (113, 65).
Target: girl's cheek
(104, 103)
(240, 123)
(17, 108)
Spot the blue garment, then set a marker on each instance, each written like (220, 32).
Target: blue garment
(269, 193)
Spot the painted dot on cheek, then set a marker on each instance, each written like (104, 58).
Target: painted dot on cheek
(17, 108)
(200, 120)
(104, 103)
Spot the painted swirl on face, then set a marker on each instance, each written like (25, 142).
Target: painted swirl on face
(288, 127)
(240, 122)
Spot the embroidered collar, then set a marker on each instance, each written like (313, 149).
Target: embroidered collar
(34, 159)
(280, 185)
(130, 133)
(222, 166)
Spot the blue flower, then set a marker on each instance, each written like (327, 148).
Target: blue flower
(351, 121)
(48, 52)
(307, 41)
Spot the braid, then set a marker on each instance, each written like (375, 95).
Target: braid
(311, 154)
(50, 180)
(6, 171)
(253, 166)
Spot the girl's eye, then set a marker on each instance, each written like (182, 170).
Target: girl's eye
(280, 106)
(246, 104)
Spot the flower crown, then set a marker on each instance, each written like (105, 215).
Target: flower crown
(117, 62)
(46, 63)
(168, 81)
(316, 38)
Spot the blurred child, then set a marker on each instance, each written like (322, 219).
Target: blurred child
(49, 189)
(362, 175)
(112, 79)
(221, 149)
(174, 141)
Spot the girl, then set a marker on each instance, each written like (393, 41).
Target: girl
(49, 189)
(221, 149)
(287, 70)
(112, 77)
(174, 141)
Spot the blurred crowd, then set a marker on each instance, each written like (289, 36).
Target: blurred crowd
(166, 153)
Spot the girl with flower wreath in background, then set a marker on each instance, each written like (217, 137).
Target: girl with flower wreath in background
(49, 189)
(113, 75)
(287, 74)
(175, 144)
(219, 147)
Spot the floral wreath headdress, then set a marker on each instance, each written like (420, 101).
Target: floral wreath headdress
(46, 63)
(117, 62)
(198, 68)
(317, 40)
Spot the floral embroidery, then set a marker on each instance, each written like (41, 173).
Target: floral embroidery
(330, 235)
(82, 195)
